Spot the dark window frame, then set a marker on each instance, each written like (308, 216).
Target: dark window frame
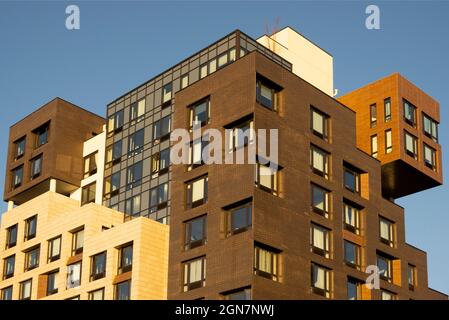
(154, 207)
(14, 184)
(134, 115)
(123, 267)
(412, 153)
(108, 194)
(356, 229)
(327, 290)
(387, 109)
(326, 251)
(89, 169)
(190, 204)
(6, 263)
(27, 265)
(94, 274)
(136, 142)
(248, 206)
(408, 104)
(433, 125)
(52, 291)
(324, 124)
(433, 164)
(29, 234)
(274, 256)
(41, 131)
(357, 255)
(19, 150)
(188, 242)
(272, 103)
(22, 287)
(325, 173)
(50, 257)
(327, 201)
(192, 112)
(132, 171)
(88, 193)
(117, 287)
(158, 135)
(357, 179)
(274, 189)
(156, 162)
(9, 242)
(373, 115)
(187, 285)
(75, 234)
(391, 230)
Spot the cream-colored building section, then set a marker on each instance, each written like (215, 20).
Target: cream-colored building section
(94, 144)
(104, 230)
(310, 62)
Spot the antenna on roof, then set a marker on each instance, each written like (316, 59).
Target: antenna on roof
(271, 34)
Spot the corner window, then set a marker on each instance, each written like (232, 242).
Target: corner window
(97, 294)
(411, 276)
(429, 157)
(351, 217)
(133, 175)
(6, 293)
(123, 290)
(17, 177)
(88, 193)
(195, 233)
(319, 123)
(411, 145)
(30, 228)
(11, 236)
(267, 178)
(409, 113)
(77, 241)
(90, 164)
(321, 279)
(41, 134)
(137, 110)
(19, 148)
(319, 240)
(112, 185)
(430, 127)
(351, 179)
(374, 146)
(160, 162)
(132, 206)
(74, 275)
(159, 197)
(267, 93)
(52, 282)
(354, 289)
(114, 153)
(239, 218)
(385, 266)
(98, 266)
(8, 267)
(54, 249)
(115, 122)
(161, 129)
(386, 231)
(319, 161)
(167, 94)
(125, 259)
(194, 274)
(387, 109)
(320, 200)
(25, 289)
(266, 262)
(196, 191)
(199, 113)
(352, 254)
(388, 142)
(32, 258)
(373, 115)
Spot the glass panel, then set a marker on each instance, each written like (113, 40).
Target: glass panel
(198, 190)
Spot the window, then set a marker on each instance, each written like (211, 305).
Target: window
(25, 289)
(411, 276)
(319, 161)
(319, 123)
(74, 298)
(115, 122)
(32, 258)
(200, 112)
(351, 217)
(266, 262)
(36, 167)
(239, 294)
(88, 193)
(137, 110)
(239, 218)
(30, 228)
(159, 197)
(90, 164)
(17, 177)
(385, 267)
(112, 185)
(387, 109)
(386, 231)
(321, 280)
(195, 233)
(267, 94)
(125, 259)
(387, 295)
(184, 81)
(41, 134)
(8, 267)
(11, 236)
(411, 147)
(196, 192)
(352, 254)
(160, 162)
(6, 293)
(374, 146)
(319, 240)
(123, 290)
(135, 142)
(114, 153)
(388, 141)
(241, 135)
(97, 294)
(267, 178)
(74, 275)
(203, 71)
(194, 274)
(132, 206)
(430, 127)
(161, 129)
(133, 175)
(52, 282)
(351, 180)
(54, 249)
(167, 94)
(98, 266)
(354, 288)
(429, 157)
(373, 115)
(77, 241)
(409, 113)
(19, 148)
(320, 200)
(226, 58)
(197, 153)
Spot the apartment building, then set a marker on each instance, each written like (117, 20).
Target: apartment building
(309, 231)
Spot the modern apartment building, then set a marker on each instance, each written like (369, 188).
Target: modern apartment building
(309, 231)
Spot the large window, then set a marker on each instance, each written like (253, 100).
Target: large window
(351, 179)
(41, 135)
(52, 282)
(112, 185)
(351, 217)
(17, 177)
(160, 162)
(115, 122)
(387, 109)
(36, 167)
(98, 266)
(352, 254)
(77, 241)
(161, 129)
(386, 231)
(320, 200)
(319, 161)
(239, 218)
(319, 123)
(132, 205)
(25, 289)
(266, 262)
(430, 127)
(388, 141)
(8, 267)
(90, 164)
(411, 276)
(74, 275)
(196, 191)
(354, 289)
(54, 249)
(373, 115)
(114, 153)
(133, 175)
(167, 92)
(195, 232)
(11, 236)
(430, 157)
(19, 148)
(411, 145)
(88, 193)
(409, 113)
(199, 113)
(321, 280)
(123, 290)
(30, 228)
(125, 258)
(385, 265)
(194, 274)
(137, 110)
(267, 93)
(319, 240)
(374, 146)
(267, 178)
(135, 142)
(32, 258)
(6, 293)
(97, 294)
(159, 197)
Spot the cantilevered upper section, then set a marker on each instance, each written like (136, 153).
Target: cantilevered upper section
(46, 150)
(309, 61)
(398, 124)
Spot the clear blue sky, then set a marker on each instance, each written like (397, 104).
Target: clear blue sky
(122, 44)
